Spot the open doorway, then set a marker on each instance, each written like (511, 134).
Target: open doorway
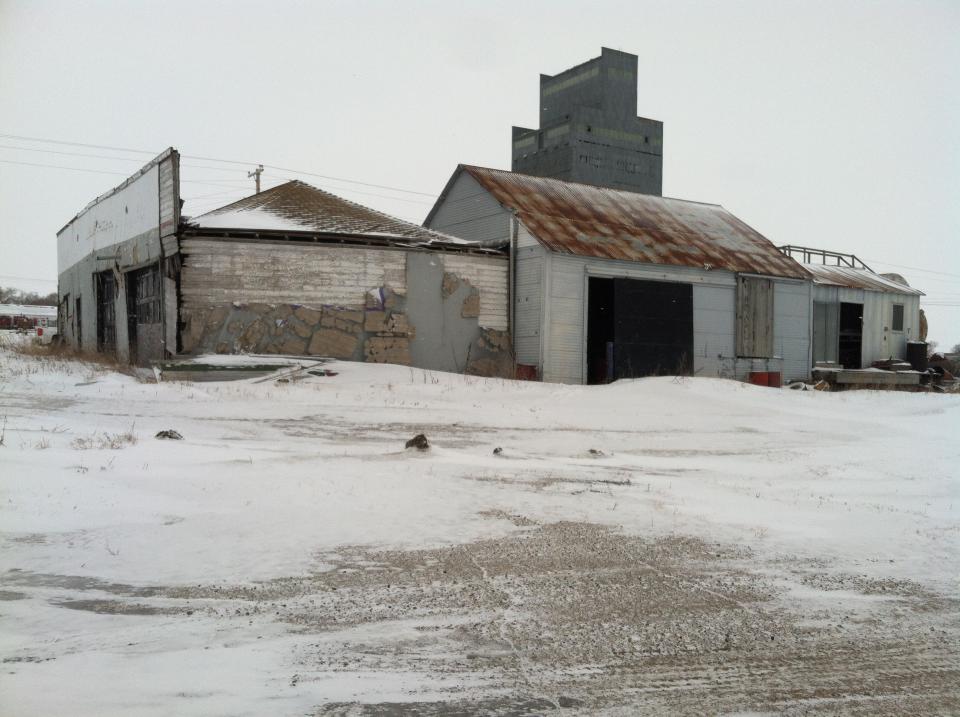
(106, 312)
(851, 335)
(638, 328)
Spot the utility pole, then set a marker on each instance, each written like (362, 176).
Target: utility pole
(256, 175)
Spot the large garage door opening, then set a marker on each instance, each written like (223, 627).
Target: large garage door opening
(638, 328)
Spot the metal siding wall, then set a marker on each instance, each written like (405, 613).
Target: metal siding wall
(792, 304)
(470, 212)
(489, 274)
(714, 322)
(218, 272)
(564, 342)
(883, 342)
(878, 343)
(525, 238)
(564, 356)
(528, 314)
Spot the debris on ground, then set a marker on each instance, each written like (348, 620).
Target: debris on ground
(497, 451)
(169, 434)
(821, 385)
(419, 442)
(322, 372)
(597, 453)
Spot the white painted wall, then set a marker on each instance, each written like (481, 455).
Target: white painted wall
(880, 341)
(130, 212)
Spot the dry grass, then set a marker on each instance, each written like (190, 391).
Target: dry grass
(102, 441)
(61, 352)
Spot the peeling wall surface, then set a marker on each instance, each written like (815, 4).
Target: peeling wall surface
(426, 309)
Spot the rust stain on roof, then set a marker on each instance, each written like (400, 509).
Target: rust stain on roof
(609, 223)
(851, 278)
(300, 207)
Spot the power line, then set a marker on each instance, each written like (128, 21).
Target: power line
(78, 144)
(212, 183)
(912, 268)
(223, 161)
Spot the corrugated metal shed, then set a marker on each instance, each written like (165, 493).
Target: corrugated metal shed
(297, 207)
(857, 279)
(584, 220)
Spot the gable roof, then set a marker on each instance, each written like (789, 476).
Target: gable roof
(584, 220)
(298, 207)
(849, 277)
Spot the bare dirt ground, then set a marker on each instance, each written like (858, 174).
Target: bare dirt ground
(579, 618)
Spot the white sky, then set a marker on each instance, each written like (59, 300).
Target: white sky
(826, 124)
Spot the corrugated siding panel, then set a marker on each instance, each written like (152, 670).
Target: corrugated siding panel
(470, 212)
(528, 312)
(713, 330)
(525, 238)
(791, 327)
(563, 359)
(490, 275)
(216, 272)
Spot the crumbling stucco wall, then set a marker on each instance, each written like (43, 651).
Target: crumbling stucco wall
(354, 303)
(448, 310)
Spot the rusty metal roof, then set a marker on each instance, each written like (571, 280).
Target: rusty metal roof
(608, 223)
(298, 207)
(857, 279)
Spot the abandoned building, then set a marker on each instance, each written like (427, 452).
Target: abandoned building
(589, 129)
(291, 270)
(572, 268)
(859, 317)
(613, 284)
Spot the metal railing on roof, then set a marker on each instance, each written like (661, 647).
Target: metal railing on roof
(834, 258)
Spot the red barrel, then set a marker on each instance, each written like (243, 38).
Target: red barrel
(758, 378)
(774, 379)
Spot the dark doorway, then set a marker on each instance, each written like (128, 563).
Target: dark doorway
(78, 314)
(851, 335)
(144, 324)
(638, 328)
(600, 331)
(106, 311)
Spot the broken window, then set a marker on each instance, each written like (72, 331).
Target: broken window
(754, 317)
(897, 322)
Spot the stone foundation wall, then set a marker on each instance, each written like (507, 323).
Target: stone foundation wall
(377, 331)
(431, 320)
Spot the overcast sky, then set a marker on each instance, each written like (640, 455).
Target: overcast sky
(825, 124)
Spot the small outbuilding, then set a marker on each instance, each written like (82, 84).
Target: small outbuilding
(859, 316)
(612, 284)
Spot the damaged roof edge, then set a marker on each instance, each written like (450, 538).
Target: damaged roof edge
(168, 152)
(397, 242)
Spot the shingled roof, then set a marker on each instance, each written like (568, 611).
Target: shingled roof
(298, 207)
(585, 220)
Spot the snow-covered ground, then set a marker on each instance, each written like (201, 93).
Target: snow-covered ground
(660, 545)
